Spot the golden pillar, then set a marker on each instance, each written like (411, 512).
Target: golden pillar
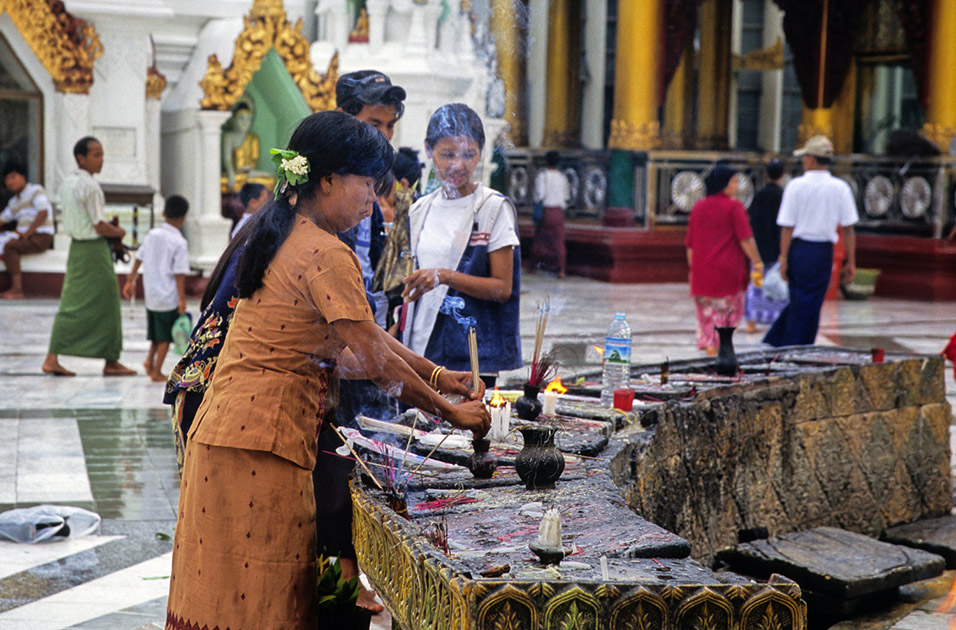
(634, 125)
(678, 106)
(562, 112)
(940, 124)
(716, 58)
(511, 67)
(815, 122)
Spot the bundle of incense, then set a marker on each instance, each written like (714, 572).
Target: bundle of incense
(540, 327)
(397, 453)
(473, 352)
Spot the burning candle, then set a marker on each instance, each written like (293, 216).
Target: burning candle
(551, 392)
(500, 411)
(549, 533)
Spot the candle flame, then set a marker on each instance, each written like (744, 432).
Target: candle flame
(496, 400)
(598, 349)
(556, 386)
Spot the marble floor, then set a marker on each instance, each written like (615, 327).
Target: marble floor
(105, 444)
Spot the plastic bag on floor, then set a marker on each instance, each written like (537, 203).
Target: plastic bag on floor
(47, 522)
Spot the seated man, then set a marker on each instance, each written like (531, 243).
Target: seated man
(31, 210)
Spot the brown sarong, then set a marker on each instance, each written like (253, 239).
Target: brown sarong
(244, 550)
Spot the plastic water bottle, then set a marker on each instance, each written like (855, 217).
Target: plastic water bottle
(617, 359)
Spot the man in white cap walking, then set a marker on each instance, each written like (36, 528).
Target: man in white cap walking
(814, 205)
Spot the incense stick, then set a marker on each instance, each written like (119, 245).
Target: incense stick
(430, 453)
(355, 455)
(473, 351)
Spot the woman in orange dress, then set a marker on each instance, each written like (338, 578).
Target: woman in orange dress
(244, 550)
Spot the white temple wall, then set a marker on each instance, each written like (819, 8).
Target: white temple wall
(118, 101)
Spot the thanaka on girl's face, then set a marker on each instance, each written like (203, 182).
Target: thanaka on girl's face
(455, 159)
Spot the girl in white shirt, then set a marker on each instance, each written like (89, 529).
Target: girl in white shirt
(465, 239)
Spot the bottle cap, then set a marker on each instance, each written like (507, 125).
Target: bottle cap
(620, 315)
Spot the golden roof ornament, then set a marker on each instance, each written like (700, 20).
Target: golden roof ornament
(155, 83)
(65, 45)
(266, 27)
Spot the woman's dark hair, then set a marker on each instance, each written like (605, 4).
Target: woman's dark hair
(452, 120)
(385, 184)
(333, 143)
(718, 178)
(407, 166)
(552, 159)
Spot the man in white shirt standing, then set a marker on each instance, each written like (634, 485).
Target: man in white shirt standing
(553, 191)
(814, 206)
(164, 257)
(88, 322)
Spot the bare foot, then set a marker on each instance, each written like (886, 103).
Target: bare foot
(157, 377)
(148, 366)
(366, 599)
(711, 351)
(12, 295)
(115, 368)
(55, 369)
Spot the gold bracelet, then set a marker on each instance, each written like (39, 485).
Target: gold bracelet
(433, 379)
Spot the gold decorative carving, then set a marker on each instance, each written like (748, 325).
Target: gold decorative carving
(266, 27)
(942, 135)
(706, 609)
(770, 58)
(65, 45)
(771, 609)
(633, 137)
(422, 589)
(574, 608)
(155, 83)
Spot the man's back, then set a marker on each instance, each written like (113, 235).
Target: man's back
(815, 204)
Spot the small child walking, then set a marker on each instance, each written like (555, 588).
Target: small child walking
(164, 257)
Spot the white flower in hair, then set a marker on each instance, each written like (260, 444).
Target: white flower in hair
(298, 165)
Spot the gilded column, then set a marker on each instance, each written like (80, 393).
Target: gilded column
(940, 124)
(815, 122)
(713, 115)
(511, 67)
(634, 125)
(677, 106)
(562, 106)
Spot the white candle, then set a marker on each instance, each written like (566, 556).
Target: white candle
(604, 572)
(500, 421)
(549, 533)
(550, 402)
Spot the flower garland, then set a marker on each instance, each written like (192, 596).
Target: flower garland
(292, 168)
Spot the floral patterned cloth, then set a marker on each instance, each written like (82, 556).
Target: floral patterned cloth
(716, 311)
(190, 378)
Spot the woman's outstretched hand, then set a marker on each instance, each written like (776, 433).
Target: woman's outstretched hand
(420, 282)
(471, 415)
(460, 383)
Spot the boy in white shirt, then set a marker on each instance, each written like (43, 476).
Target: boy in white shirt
(165, 260)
